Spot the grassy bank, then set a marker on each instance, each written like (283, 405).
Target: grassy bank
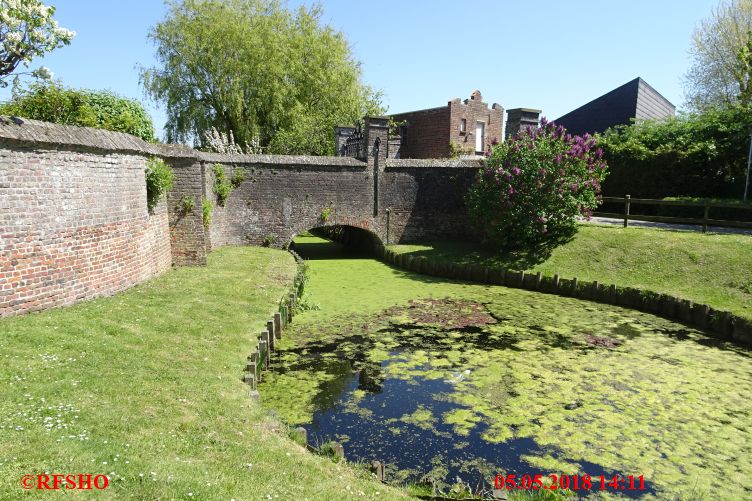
(145, 387)
(712, 269)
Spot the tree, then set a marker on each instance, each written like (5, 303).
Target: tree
(720, 72)
(27, 30)
(52, 102)
(253, 68)
(532, 188)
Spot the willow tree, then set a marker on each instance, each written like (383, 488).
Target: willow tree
(256, 69)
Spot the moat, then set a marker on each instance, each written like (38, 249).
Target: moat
(443, 380)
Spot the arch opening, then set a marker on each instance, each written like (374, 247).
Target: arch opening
(336, 242)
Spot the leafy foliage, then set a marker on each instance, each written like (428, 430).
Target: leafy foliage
(222, 185)
(159, 179)
(533, 187)
(237, 178)
(721, 70)
(698, 154)
(27, 30)
(186, 204)
(257, 69)
(207, 208)
(52, 102)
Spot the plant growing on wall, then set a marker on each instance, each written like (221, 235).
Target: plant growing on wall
(237, 178)
(186, 204)
(533, 187)
(159, 179)
(222, 185)
(207, 207)
(326, 213)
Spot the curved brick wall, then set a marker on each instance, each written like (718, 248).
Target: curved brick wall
(73, 218)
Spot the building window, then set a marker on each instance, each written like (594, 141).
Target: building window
(463, 126)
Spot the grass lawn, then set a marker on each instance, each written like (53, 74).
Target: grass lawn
(713, 269)
(145, 387)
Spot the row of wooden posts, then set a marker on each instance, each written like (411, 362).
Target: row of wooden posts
(270, 336)
(267, 342)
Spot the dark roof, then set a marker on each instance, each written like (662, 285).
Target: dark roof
(633, 100)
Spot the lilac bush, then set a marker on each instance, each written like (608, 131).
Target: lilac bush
(532, 188)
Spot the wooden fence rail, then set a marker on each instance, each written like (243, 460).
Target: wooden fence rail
(705, 221)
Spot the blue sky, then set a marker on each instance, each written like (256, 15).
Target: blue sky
(551, 55)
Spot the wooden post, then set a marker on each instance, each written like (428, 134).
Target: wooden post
(339, 450)
(377, 468)
(538, 279)
(302, 433)
(264, 347)
(705, 217)
(626, 210)
(272, 337)
(556, 282)
(278, 326)
(574, 287)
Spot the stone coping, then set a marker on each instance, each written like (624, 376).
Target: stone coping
(431, 162)
(45, 134)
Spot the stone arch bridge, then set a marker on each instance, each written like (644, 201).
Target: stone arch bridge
(282, 196)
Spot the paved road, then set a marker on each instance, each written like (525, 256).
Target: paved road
(668, 226)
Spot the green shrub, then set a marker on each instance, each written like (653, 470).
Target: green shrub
(207, 207)
(689, 155)
(159, 179)
(186, 204)
(533, 187)
(52, 102)
(326, 213)
(237, 178)
(222, 185)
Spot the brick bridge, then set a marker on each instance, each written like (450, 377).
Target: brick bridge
(74, 222)
(282, 196)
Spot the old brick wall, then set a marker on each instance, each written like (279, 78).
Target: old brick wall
(427, 133)
(73, 223)
(285, 195)
(474, 110)
(426, 199)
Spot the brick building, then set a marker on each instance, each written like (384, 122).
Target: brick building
(470, 124)
(635, 100)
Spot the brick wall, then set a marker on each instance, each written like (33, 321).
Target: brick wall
(474, 110)
(427, 133)
(430, 131)
(73, 223)
(425, 199)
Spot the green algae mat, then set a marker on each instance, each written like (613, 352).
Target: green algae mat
(443, 380)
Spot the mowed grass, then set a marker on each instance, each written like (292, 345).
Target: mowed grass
(145, 387)
(707, 268)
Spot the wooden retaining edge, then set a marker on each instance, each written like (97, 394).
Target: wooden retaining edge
(723, 324)
(267, 340)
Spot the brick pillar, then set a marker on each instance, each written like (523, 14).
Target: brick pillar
(376, 127)
(187, 233)
(519, 118)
